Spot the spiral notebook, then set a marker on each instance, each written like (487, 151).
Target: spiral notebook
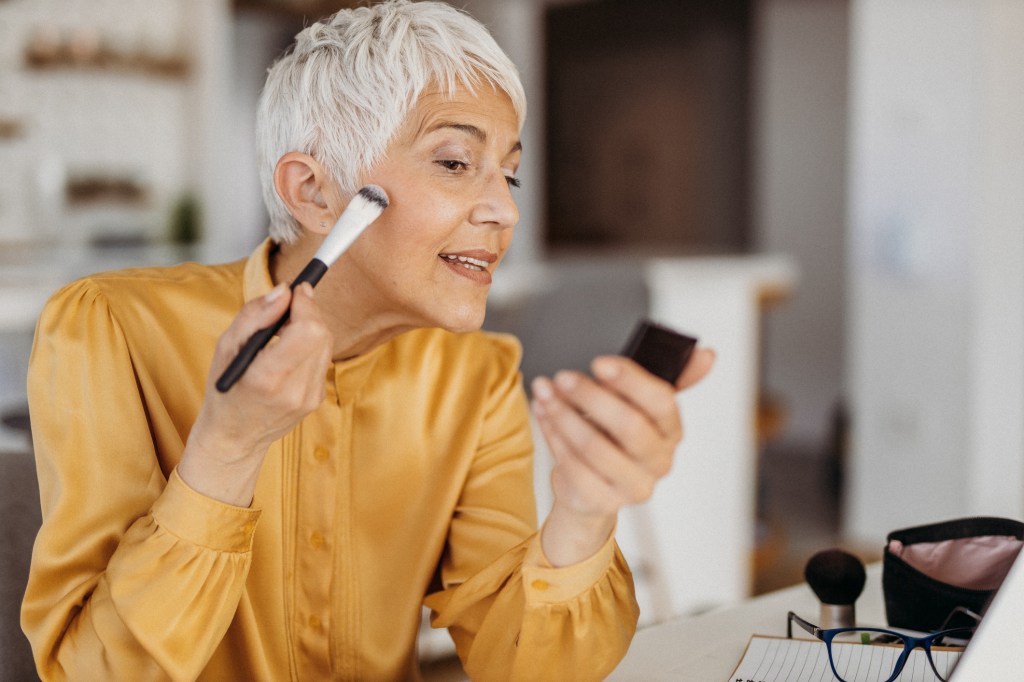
(777, 659)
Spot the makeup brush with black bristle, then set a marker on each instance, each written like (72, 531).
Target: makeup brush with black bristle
(837, 578)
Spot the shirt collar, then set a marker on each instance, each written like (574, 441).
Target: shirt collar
(256, 279)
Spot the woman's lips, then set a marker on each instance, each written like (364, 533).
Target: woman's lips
(472, 265)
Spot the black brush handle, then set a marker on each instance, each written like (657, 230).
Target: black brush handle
(312, 274)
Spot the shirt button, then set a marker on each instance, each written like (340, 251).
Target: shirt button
(320, 453)
(316, 540)
(314, 623)
(540, 585)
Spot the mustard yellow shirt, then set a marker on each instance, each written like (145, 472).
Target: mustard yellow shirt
(410, 484)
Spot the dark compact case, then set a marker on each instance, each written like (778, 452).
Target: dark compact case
(928, 571)
(661, 351)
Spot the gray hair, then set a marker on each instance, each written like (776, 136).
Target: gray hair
(346, 86)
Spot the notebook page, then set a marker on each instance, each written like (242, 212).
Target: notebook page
(776, 659)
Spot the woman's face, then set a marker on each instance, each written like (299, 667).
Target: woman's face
(428, 260)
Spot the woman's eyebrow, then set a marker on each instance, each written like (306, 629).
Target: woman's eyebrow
(467, 128)
(472, 130)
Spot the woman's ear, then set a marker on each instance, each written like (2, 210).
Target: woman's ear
(302, 184)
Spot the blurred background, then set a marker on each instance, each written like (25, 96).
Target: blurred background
(829, 192)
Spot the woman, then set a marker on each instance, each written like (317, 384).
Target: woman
(293, 526)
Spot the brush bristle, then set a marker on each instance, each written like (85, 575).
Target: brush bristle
(835, 576)
(375, 194)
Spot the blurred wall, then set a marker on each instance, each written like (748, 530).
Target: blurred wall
(799, 205)
(936, 262)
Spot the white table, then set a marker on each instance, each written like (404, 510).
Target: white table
(707, 648)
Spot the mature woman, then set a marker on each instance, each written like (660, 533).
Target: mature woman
(377, 455)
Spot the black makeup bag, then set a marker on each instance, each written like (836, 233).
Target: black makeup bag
(928, 571)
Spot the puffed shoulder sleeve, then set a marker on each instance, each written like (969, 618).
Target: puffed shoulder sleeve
(134, 575)
(513, 616)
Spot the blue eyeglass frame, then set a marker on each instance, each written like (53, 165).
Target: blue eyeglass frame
(909, 643)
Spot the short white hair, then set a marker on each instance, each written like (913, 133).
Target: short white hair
(343, 90)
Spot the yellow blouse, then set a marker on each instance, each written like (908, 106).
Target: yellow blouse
(410, 484)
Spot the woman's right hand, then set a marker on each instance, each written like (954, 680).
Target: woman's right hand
(284, 383)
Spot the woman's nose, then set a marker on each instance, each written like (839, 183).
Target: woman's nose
(495, 206)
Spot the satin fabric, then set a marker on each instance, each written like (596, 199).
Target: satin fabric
(411, 483)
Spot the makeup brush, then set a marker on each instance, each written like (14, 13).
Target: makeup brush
(837, 578)
(368, 203)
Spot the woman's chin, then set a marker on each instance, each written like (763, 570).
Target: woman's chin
(462, 320)
(464, 327)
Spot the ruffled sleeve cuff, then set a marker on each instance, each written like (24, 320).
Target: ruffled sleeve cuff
(545, 584)
(202, 520)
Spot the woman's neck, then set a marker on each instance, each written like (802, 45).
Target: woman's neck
(358, 325)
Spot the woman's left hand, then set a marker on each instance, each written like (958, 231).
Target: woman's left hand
(613, 437)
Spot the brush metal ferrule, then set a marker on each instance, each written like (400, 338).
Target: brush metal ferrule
(838, 616)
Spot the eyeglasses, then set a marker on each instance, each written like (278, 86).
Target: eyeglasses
(840, 641)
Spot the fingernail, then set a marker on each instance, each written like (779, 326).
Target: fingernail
(566, 380)
(275, 293)
(542, 389)
(605, 368)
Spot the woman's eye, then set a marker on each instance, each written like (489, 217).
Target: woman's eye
(512, 181)
(453, 165)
